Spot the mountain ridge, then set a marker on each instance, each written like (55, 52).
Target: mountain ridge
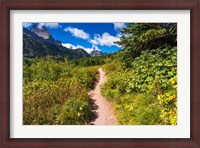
(95, 53)
(37, 46)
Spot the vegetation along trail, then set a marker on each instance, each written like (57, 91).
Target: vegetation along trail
(103, 111)
(59, 76)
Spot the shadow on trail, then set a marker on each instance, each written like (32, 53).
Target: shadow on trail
(102, 109)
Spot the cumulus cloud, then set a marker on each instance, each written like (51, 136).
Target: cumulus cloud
(105, 40)
(49, 25)
(88, 50)
(79, 33)
(27, 25)
(119, 26)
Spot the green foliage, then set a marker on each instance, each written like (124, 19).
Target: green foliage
(75, 112)
(112, 66)
(89, 61)
(142, 84)
(85, 76)
(54, 91)
(138, 109)
(151, 72)
(139, 37)
(141, 80)
(144, 94)
(168, 101)
(151, 34)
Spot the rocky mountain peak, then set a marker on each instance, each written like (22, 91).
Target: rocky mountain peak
(41, 31)
(95, 53)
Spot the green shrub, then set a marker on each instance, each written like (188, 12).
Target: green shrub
(145, 93)
(49, 86)
(75, 112)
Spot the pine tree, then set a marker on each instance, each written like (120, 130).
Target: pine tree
(138, 37)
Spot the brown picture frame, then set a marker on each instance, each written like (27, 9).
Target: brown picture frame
(192, 5)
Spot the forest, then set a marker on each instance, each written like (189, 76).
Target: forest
(141, 81)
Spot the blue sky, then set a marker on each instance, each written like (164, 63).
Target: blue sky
(89, 36)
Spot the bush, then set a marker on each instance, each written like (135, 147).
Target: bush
(145, 93)
(54, 90)
(75, 112)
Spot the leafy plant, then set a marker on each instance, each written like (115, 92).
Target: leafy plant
(57, 92)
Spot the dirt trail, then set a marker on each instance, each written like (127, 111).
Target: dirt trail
(103, 111)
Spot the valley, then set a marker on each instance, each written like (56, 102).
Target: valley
(68, 84)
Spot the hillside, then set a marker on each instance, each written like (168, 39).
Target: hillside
(36, 46)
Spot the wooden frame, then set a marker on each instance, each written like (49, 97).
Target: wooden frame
(192, 5)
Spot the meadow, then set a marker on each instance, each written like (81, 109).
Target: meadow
(141, 81)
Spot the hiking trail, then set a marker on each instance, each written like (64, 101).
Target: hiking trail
(103, 110)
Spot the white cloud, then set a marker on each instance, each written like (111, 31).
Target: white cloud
(88, 50)
(49, 25)
(68, 45)
(119, 26)
(27, 25)
(105, 40)
(120, 35)
(79, 33)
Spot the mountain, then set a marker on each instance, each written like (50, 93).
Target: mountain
(39, 42)
(44, 33)
(95, 53)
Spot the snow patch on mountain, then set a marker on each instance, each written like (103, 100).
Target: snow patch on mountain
(93, 51)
